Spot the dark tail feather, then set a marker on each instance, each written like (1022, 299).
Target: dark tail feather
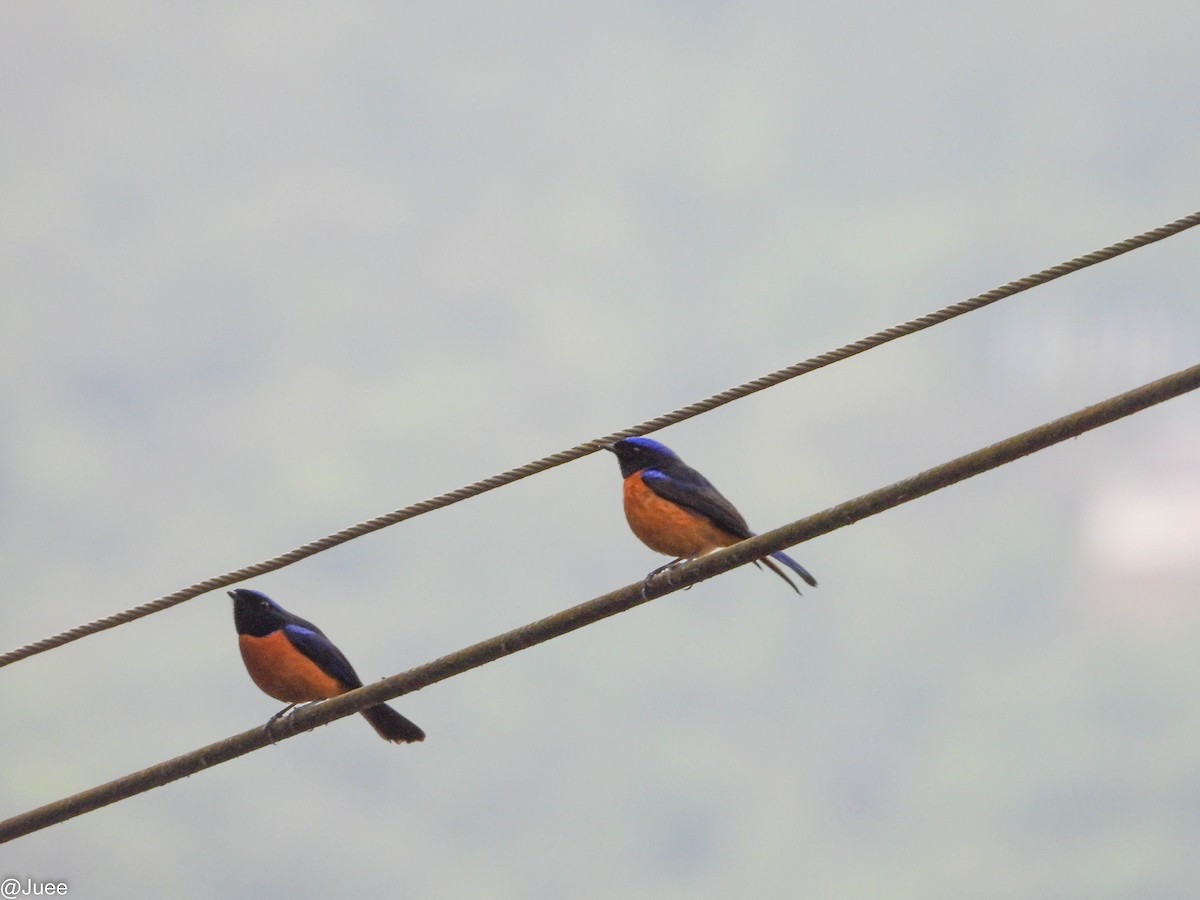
(392, 726)
(791, 564)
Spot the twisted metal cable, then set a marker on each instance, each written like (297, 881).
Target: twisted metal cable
(612, 603)
(548, 462)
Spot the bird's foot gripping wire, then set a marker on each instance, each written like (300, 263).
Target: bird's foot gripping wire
(664, 570)
(287, 711)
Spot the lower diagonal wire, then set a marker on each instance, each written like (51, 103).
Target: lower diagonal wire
(612, 603)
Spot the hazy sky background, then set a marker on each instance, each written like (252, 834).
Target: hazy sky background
(271, 269)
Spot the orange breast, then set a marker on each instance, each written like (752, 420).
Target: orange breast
(283, 672)
(666, 527)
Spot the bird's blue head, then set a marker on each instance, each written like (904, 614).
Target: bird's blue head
(255, 613)
(637, 453)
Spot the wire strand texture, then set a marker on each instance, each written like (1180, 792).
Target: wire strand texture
(612, 603)
(556, 459)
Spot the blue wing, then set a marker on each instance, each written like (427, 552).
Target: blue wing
(694, 492)
(313, 644)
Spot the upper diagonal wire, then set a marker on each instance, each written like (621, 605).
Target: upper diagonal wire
(556, 459)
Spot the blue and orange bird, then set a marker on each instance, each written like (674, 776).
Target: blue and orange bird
(291, 660)
(675, 510)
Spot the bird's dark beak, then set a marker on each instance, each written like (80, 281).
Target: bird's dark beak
(611, 448)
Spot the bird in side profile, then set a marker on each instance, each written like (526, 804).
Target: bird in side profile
(675, 510)
(291, 660)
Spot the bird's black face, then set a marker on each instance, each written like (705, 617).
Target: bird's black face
(637, 453)
(254, 613)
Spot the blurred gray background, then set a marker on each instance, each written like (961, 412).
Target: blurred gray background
(271, 269)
